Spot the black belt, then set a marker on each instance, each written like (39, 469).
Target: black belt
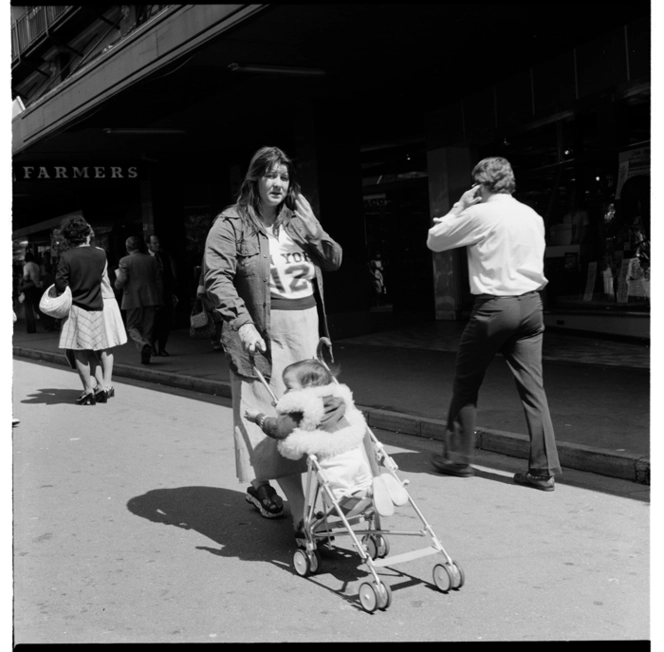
(504, 296)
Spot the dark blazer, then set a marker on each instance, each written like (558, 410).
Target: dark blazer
(140, 279)
(167, 273)
(81, 269)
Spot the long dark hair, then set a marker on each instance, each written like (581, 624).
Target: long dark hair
(262, 162)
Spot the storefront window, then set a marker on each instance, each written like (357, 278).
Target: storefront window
(588, 176)
(399, 275)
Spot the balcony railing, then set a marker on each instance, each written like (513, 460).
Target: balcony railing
(32, 25)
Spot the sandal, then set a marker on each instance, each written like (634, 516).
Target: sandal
(266, 500)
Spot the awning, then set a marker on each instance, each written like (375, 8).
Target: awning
(177, 31)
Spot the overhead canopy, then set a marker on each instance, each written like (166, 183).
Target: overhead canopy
(166, 38)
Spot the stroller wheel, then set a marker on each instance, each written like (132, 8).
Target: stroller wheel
(383, 546)
(315, 562)
(371, 545)
(461, 575)
(368, 597)
(385, 597)
(306, 564)
(442, 578)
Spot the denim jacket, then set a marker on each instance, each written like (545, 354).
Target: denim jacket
(236, 267)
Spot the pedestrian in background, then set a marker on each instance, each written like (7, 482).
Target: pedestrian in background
(31, 287)
(215, 339)
(262, 264)
(505, 249)
(163, 320)
(81, 267)
(139, 278)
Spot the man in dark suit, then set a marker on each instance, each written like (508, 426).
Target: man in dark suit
(139, 278)
(164, 317)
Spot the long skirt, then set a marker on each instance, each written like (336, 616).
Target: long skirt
(293, 337)
(83, 329)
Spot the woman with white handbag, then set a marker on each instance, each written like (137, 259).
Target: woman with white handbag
(81, 270)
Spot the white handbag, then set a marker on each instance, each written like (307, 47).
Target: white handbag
(54, 306)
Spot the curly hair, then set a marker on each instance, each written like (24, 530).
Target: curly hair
(495, 174)
(73, 231)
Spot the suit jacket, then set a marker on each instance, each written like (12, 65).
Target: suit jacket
(166, 267)
(140, 279)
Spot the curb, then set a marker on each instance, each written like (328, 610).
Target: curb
(214, 387)
(626, 466)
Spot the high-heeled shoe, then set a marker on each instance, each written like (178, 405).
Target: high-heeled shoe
(86, 399)
(110, 392)
(101, 396)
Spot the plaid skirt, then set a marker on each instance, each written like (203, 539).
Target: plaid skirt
(83, 330)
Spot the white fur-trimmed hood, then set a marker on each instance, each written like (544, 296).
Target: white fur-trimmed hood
(308, 438)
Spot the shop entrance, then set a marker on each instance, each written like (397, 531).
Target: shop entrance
(399, 265)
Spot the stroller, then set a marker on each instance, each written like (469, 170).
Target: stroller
(326, 518)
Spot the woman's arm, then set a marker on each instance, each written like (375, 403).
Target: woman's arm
(121, 274)
(219, 267)
(62, 275)
(325, 252)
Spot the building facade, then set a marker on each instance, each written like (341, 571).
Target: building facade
(143, 118)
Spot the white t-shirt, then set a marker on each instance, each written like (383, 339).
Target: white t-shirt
(291, 270)
(505, 241)
(347, 472)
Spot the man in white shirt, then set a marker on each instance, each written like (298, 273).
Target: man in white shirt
(505, 246)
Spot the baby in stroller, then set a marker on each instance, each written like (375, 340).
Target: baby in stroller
(349, 470)
(317, 414)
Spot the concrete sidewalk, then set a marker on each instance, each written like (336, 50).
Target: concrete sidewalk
(598, 391)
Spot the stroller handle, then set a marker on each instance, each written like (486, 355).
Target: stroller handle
(262, 379)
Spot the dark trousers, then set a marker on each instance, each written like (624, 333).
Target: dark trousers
(512, 326)
(31, 308)
(140, 325)
(163, 320)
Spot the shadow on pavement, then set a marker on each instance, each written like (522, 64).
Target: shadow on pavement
(53, 396)
(228, 520)
(502, 468)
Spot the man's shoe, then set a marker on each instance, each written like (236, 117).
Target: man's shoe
(541, 482)
(146, 354)
(451, 468)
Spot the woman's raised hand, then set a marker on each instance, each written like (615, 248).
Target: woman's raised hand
(304, 211)
(251, 339)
